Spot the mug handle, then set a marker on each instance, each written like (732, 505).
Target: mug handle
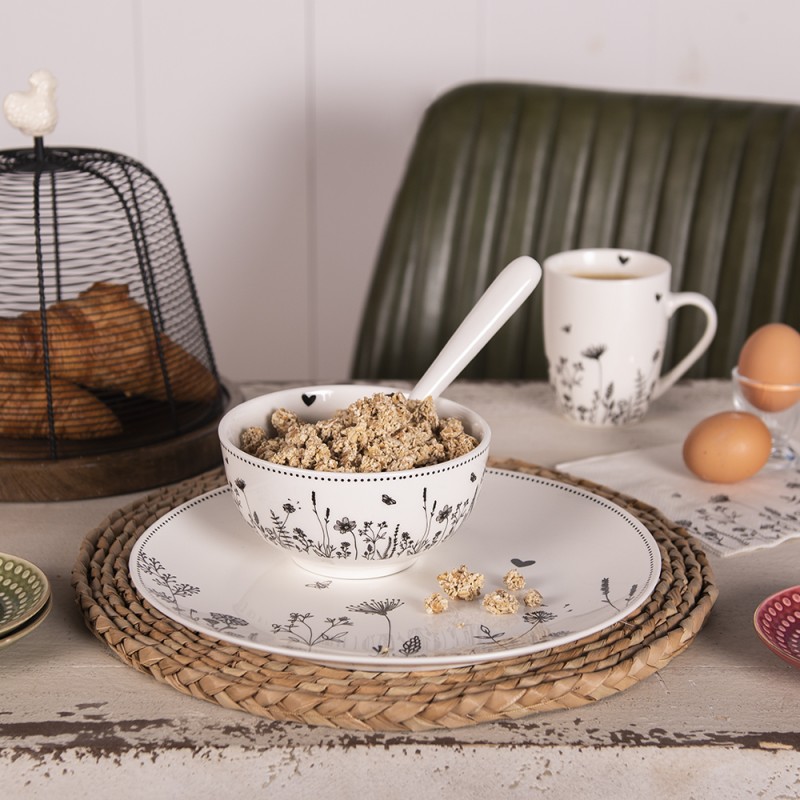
(674, 302)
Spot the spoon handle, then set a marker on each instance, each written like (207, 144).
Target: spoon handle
(504, 296)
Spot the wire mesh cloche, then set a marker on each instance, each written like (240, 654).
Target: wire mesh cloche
(103, 347)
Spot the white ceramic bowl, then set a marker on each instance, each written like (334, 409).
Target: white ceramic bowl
(344, 524)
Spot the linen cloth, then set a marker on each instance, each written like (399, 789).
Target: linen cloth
(762, 511)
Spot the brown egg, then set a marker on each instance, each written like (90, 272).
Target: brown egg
(769, 397)
(727, 447)
(770, 360)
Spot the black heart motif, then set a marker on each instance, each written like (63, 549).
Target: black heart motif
(519, 562)
(623, 259)
(658, 297)
(308, 399)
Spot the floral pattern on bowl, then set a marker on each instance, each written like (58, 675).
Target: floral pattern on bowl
(346, 524)
(352, 538)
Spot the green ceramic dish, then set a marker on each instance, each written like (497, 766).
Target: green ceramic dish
(24, 591)
(29, 625)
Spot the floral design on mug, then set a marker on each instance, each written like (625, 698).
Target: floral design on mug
(606, 314)
(605, 408)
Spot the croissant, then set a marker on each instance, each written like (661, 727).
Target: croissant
(77, 414)
(104, 339)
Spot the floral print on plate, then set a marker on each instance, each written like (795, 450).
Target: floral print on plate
(593, 563)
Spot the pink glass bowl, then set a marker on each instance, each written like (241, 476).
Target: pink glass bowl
(777, 622)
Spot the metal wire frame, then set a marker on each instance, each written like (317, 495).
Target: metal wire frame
(72, 219)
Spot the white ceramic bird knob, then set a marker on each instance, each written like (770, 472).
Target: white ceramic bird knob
(34, 111)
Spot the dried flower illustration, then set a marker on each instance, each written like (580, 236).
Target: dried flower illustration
(595, 352)
(224, 622)
(300, 631)
(170, 588)
(382, 608)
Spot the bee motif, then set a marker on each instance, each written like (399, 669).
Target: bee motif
(389, 501)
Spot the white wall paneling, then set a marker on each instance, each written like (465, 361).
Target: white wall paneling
(89, 45)
(225, 109)
(376, 68)
(280, 129)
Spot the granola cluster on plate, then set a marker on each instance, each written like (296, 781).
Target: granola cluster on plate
(463, 584)
(460, 583)
(380, 433)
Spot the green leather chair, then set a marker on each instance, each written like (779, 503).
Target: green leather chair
(500, 170)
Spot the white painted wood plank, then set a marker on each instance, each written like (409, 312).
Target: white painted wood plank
(377, 66)
(88, 45)
(718, 48)
(727, 49)
(224, 92)
(593, 43)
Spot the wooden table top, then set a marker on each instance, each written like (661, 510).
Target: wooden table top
(720, 720)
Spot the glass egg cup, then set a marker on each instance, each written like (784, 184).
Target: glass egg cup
(778, 405)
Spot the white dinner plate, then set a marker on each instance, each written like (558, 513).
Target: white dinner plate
(592, 561)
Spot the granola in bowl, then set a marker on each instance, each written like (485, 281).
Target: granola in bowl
(378, 433)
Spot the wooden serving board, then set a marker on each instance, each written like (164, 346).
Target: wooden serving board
(119, 472)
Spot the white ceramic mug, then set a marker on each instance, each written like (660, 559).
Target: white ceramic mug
(606, 313)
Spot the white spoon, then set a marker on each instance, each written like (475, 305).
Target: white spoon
(504, 296)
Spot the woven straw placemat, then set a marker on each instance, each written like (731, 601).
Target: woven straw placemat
(283, 688)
